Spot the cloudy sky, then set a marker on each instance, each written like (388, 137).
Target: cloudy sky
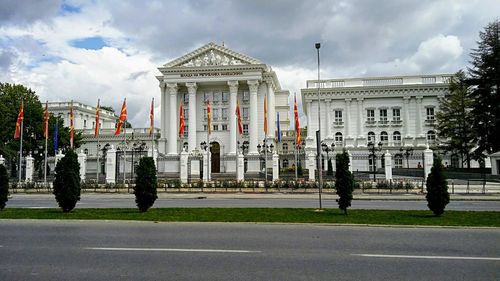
(84, 50)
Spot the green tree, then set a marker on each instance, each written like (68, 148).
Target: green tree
(485, 79)
(454, 118)
(67, 181)
(145, 184)
(4, 187)
(437, 189)
(344, 181)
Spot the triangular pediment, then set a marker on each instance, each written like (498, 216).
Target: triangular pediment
(212, 54)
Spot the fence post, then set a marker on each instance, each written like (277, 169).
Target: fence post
(467, 186)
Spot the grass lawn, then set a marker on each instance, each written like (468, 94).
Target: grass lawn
(281, 215)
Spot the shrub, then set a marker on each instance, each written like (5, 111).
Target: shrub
(344, 181)
(145, 184)
(382, 185)
(67, 181)
(4, 187)
(437, 189)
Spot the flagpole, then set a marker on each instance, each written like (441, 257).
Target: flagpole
(45, 167)
(237, 148)
(124, 150)
(98, 148)
(21, 145)
(296, 162)
(152, 132)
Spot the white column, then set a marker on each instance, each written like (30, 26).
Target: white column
(163, 123)
(418, 129)
(233, 130)
(254, 136)
(309, 122)
(276, 160)
(205, 166)
(192, 116)
(241, 167)
(184, 166)
(329, 120)
(347, 124)
(59, 156)
(2, 160)
(406, 121)
(82, 160)
(111, 165)
(428, 161)
(360, 118)
(271, 114)
(172, 134)
(388, 165)
(29, 168)
(311, 165)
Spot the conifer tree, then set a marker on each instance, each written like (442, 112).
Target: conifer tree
(67, 181)
(145, 184)
(344, 181)
(4, 187)
(437, 189)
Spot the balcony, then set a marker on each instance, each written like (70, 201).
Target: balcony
(338, 124)
(370, 122)
(430, 122)
(383, 122)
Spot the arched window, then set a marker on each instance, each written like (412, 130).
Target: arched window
(371, 137)
(384, 138)
(285, 163)
(431, 137)
(338, 139)
(396, 138)
(285, 147)
(398, 161)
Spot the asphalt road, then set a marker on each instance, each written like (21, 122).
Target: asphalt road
(72, 250)
(194, 201)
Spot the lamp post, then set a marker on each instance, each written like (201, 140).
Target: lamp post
(318, 134)
(263, 152)
(372, 148)
(407, 153)
(328, 149)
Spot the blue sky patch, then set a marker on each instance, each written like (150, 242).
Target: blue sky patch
(68, 9)
(91, 43)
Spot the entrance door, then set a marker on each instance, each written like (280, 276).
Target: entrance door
(215, 157)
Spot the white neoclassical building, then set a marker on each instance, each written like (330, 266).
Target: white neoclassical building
(397, 112)
(222, 76)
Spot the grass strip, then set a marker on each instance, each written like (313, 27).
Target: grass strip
(278, 215)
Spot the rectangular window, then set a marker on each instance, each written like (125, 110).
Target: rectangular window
(205, 128)
(216, 97)
(186, 130)
(430, 113)
(215, 114)
(186, 98)
(186, 113)
(205, 114)
(245, 113)
(245, 129)
(85, 124)
(224, 127)
(370, 115)
(224, 114)
(246, 96)
(207, 96)
(338, 117)
(398, 162)
(383, 115)
(396, 114)
(216, 127)
(225, 97)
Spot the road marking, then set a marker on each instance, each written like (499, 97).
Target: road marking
(428, 257)
(172, 250)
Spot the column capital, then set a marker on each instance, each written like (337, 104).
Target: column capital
(191, 87)
(233, 86)
(360, 99)
(253, 85)
(328, 100)
(172, 88)
(406, 100)
(348, 100)
(419, 99)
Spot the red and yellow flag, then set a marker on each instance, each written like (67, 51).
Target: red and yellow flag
(20, 118)
(71, 126)
(297, 123)
(209, 118)
(151, 117)
(265, 115)
(181, 121)
(123, 117)
(46, 121)
(97, 110)
(238, 118)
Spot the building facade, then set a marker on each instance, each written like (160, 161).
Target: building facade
(395, 114)
(223, 77)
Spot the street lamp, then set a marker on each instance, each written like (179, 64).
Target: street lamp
(328, 149)
(318, 133)
(263, 152)
(243, 147)
(372, 148)
(407, 153)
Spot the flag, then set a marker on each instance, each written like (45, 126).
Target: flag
(71, 126)
(209, 117)
(297, 124)
(151, 117)
(56, 139)
(278, 126)
(122, 118)
(98, 109)
(238, 117)
(181, 122)
(20, 118)
(46, 121)
(265, 116)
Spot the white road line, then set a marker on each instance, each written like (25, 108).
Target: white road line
(428, 257)
(172, 250)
